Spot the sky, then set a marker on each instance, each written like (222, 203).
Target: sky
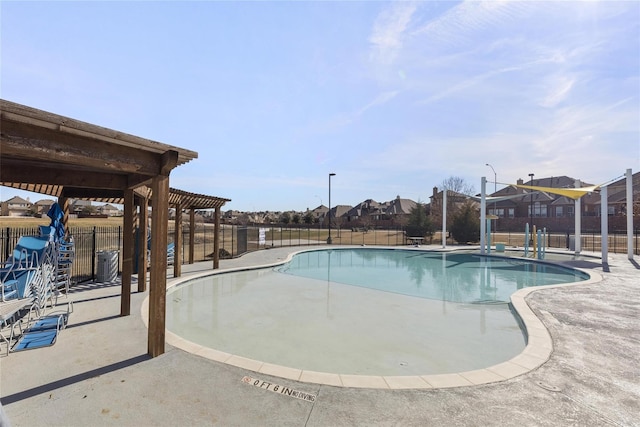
(392, 97)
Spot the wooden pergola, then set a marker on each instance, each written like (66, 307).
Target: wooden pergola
(66, 158)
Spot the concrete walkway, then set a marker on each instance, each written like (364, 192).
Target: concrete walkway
(98, 372)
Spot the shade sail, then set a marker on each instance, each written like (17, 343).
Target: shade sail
(491, 199)
(572, 193)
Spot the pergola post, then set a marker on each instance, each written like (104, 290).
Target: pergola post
(63, 201)
(127, 253)
(216, 240)
(143, 236)
(192, 234)
(158, 273)
(177, 241)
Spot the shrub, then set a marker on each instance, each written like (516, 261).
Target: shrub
(466, 225)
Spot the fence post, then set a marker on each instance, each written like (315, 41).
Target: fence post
(93, 254)
(6, 246)
(120, 250)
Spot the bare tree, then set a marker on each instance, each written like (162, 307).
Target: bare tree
(457, 188)
(459, 185)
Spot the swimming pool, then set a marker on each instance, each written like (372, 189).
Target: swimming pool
(364, 311)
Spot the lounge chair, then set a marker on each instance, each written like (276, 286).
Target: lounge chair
(44, 331)
(26, 280)
(65, 254)
(171, 251)
(9, 312)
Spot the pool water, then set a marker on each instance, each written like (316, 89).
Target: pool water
(454, 277)
(364, 311)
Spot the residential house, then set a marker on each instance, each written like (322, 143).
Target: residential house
(16, 206)
(617, 197)
(41, 207)
(109, 210)
(76, 207)
(454, 201)
(338, 214)
(319, 213)
(365, 212)
(399, 209)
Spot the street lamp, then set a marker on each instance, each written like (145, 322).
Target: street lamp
(329, 241)
(495, 186)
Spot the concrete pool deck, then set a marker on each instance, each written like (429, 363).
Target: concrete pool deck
(98, 372)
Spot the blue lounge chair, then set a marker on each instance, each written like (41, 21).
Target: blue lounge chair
(44, 331)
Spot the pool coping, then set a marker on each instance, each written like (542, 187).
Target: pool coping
(537, 351)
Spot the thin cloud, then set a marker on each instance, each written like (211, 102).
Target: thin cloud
(560, 87)
(389, 31)
(380, 100)
(459, 22)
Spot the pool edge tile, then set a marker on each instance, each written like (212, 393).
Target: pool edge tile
(324, 378)
(482, 376)
(509, 369)
(528, 361)
(399, 382)
(280, 371)
(363, 381)
(446, 380)
(213, 354)
(244, 363)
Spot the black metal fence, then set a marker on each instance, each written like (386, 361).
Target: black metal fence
(237, 240)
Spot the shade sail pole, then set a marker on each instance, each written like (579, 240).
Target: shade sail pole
(578, 222)
(604, 224)
(483, 214)
(629, 215)
(444, 218)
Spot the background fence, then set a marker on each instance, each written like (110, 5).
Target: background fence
(237, 240)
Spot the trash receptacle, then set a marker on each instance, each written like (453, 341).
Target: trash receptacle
(107, 266)
(572, 243)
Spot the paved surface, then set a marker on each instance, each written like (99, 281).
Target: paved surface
(98, 372)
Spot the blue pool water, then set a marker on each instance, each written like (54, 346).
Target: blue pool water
(364, 311)
(454, 277)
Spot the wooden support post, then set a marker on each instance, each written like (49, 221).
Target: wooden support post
(64, 205)
(177, 241)
(127, 253)
(158, 273)
(143, 237)
(216, 240)
(192, 234)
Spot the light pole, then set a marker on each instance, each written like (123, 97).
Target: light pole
(495, 187)
(329, 241)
